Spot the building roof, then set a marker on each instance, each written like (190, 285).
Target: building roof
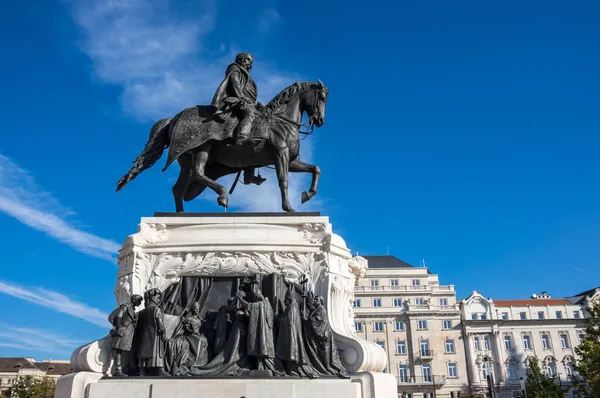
(55, 367)
(532, 302)
(14, 364)
(386, 262)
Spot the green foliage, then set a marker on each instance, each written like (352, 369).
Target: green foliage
(539, 385)
(587, 368)
(32, 387)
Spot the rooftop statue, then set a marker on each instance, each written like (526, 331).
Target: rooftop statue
(234, 134)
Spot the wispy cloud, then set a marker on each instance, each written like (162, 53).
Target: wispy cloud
(23, 199)
(24, 338)
(268, 18)
(56, 301)
(157, 54)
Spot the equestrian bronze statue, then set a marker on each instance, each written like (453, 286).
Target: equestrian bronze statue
(236, 134)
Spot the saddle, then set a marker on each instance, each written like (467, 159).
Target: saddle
(200, 124)
(260, 126)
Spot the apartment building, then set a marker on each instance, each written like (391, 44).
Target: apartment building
(501, 336)
(416, 320)
(13, 368)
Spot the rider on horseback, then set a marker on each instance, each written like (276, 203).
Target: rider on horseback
(237, 94)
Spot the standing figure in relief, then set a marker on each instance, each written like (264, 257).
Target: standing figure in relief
(123, 320)
(151, 331)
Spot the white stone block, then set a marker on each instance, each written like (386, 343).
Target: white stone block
(75, 385)
(226, 388)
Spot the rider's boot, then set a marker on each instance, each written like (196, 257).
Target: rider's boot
(250, 178)
(243, 131)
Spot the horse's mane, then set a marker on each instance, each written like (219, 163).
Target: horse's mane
(287, 94)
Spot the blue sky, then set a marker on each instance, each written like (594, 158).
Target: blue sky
(465, 134)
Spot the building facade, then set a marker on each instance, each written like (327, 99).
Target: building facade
(13, 368)
(416, 320)
(501, 336)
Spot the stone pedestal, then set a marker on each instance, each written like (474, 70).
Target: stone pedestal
(170, 246)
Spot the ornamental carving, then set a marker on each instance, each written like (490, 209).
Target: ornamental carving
(315, 233)
(161, 270)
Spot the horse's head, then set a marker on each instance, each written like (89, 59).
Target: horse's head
(315, 100)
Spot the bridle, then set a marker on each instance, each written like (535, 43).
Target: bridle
(310, 123)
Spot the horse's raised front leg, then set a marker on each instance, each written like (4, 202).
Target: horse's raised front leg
(185, 164)
(282, 167)
(197, 173)
(300, 167)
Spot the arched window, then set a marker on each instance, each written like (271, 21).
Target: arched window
(549, 368)
(568, 362)
(512, 371)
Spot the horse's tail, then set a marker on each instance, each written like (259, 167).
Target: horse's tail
(157, 143)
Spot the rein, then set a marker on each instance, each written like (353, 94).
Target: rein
(308, 124)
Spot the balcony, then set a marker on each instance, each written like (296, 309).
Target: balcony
(434, 380)
(405, 288)
(424, 355)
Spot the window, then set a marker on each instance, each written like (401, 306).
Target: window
(357, 303)
(508, 342)
(483, 316)
(540, 314)
(564, 341)
(401, 347)
(484, 372)
(376, 302)
(394, 282)
(505, 316)
(549, 369)
(447, 324)
(443, 301)
(576, 314)
(449, 346)
(452, 369)
(427, 372)
(581, 336)
(358, 326)
(486, 342)
(379, 326)
(422, 324)
(527, 342)
(558, 314)
(474, 317)
(511, 370)
(397, 302)
(415, 282)
(381, 344)
(424, 347)
(399, 326)
(476, 344)
(374, 283)
(419, 301)
(569, 368)
(403, 373)
(523, 315)
(546, 341)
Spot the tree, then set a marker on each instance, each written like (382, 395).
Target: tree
(538, 385)
(587, 369)
(31, 387)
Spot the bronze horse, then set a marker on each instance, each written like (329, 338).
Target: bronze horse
(201, 144)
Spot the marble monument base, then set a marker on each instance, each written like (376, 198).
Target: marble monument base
(172, 246)
(90, 385)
